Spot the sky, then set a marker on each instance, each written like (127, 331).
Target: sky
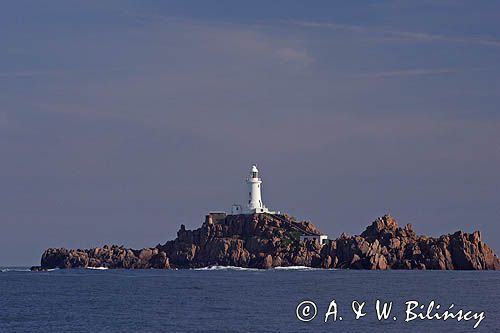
(121, 120)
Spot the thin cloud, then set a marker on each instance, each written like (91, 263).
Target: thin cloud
(247, 37)
(400, 35)
(301, 56)
(417, 72)
(420, 36)
(410, 72)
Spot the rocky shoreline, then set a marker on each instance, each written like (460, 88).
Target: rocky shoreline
(266, 241)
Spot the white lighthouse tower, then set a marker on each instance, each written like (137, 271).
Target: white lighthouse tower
(255, 204)
(254, 196)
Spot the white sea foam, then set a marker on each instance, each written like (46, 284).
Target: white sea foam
(234, 268)
(225, 268)
(5, 270)
(297, 268)
(97, 268)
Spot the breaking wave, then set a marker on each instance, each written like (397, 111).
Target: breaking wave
(15, 269)
(225, 268)
(296, 268)
(97, 268)
(235, 268)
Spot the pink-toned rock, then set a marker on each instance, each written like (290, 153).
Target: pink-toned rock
(265, 241)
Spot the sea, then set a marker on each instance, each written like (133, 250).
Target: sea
(229, 299)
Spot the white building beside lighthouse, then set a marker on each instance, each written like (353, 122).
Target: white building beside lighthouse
(254, 204)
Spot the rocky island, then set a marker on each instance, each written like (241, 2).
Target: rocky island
(273, 240)
(255, 237)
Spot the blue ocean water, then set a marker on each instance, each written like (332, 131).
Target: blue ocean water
(235, 300)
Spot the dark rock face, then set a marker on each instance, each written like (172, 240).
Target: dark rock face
(107, 256)
(260, 241)
(266, 241)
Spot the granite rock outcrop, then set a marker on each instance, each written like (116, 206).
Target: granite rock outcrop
(267, 241)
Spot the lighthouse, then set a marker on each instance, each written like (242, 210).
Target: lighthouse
(254, 204)
(254, 195)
